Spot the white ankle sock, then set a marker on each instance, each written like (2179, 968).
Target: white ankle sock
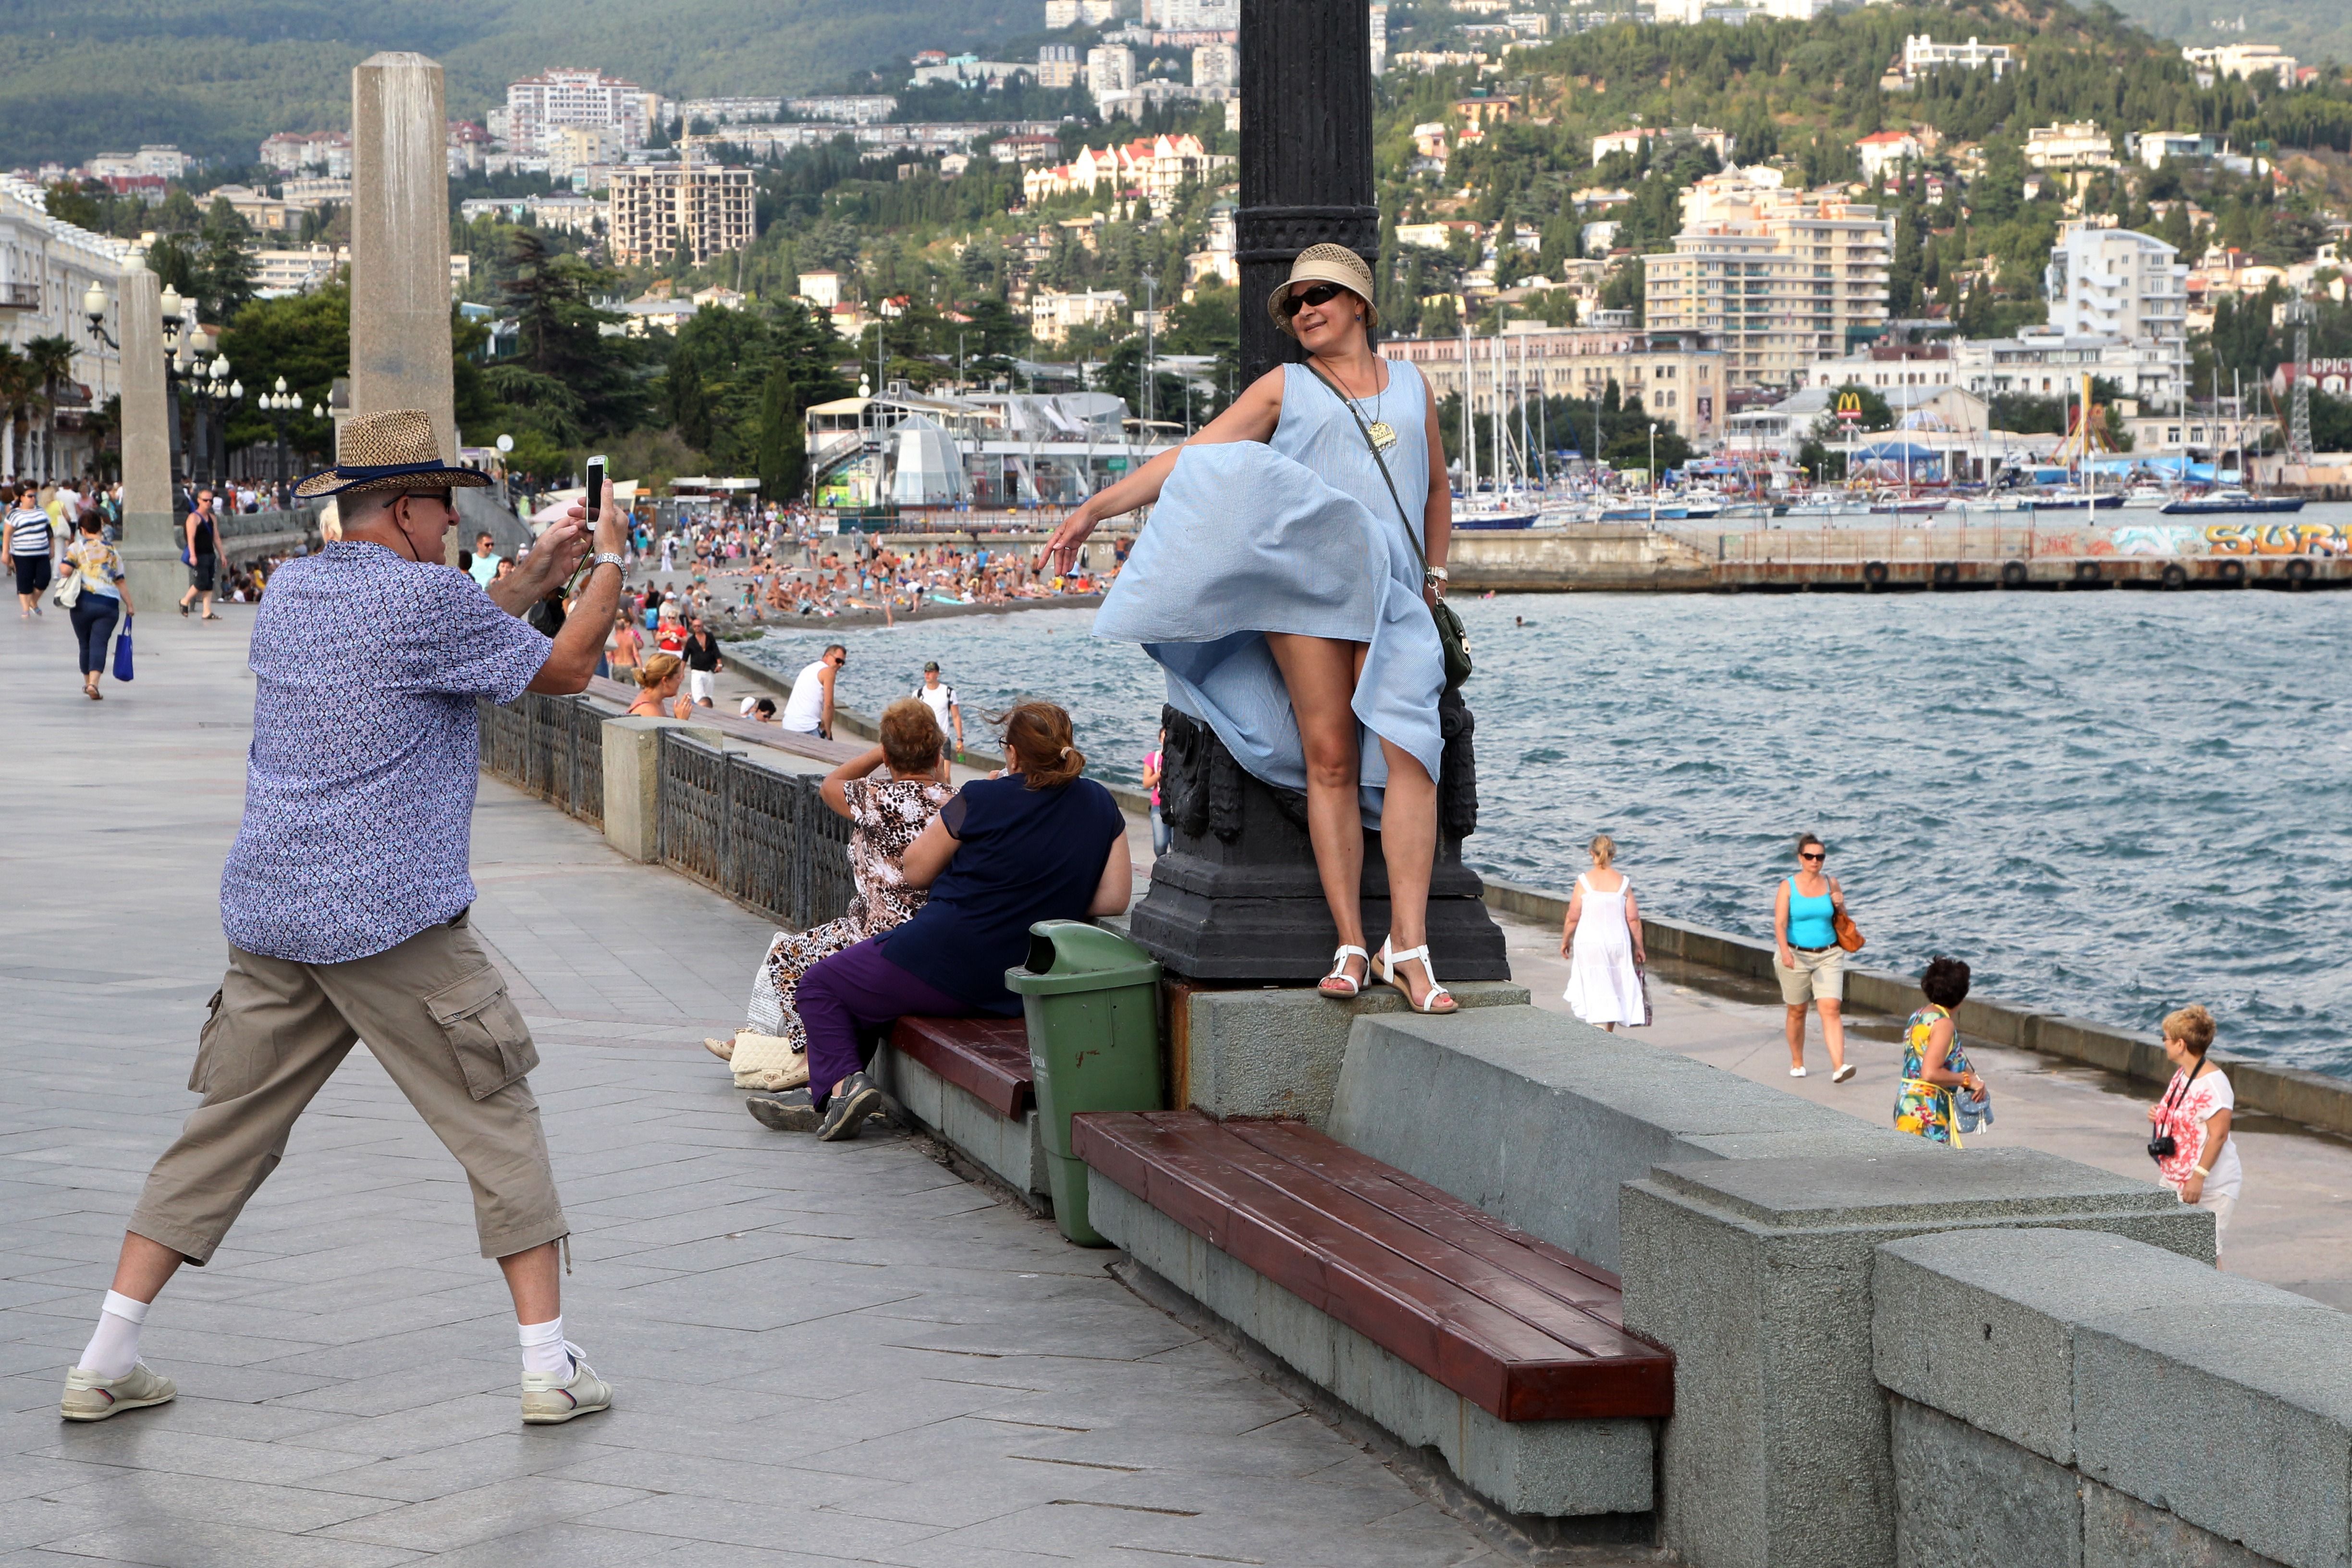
(542, 1347)
(114, 1349)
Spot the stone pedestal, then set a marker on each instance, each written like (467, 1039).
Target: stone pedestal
(400, 243)
(1757, 1273)
(1238, 898)
(150, 543)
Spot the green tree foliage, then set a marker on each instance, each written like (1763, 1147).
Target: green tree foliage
(307, 339)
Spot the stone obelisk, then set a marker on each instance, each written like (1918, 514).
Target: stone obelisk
(400, 242)
(150, 550)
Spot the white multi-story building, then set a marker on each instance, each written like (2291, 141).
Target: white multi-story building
(1721, 141)
(855, 108)
(2115, 282)
(563, 96)
(2153, 147)
(1883, 151)
(1778, 277)
(656, 211)
(728, 111)
(1680, 380)
(152, 162)
(1193, 16)
(2080, 145)
(1053, 313)
(1922, 53)
(1217, 65)
(328, 151)
(1380, 23)
(2243, 61)
(1059, 65)
(1110, 67)
(47, 266)
(569, 147)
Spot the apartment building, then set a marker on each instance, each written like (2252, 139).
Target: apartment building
(654, 211)
(2079, 145)
(2117, 283)
(1922, 53)
(1217, 65)
(1110, 67)
(728, 111)
(1680, 378)
(566, 97)
(47, 266)
(1059, 65)
(1777, 277)
(1156, 168)
(329, 152)
(1053, 313)
(853, 107)
(2244, 61)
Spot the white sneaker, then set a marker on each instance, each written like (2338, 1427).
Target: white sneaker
(1796, 1072)
(548, 1397)
(90, 1397)
(1843, 1073)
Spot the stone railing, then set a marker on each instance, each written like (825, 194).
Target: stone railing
(249, 536)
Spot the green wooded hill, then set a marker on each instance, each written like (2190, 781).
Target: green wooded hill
(2312, 30)
(79, 77)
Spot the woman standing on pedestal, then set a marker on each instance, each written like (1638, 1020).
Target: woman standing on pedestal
(1279, 588)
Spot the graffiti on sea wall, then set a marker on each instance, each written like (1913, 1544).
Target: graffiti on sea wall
(2223, 539)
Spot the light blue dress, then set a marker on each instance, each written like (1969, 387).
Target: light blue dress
(1299, 536)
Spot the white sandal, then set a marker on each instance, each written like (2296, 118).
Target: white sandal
(1327, 986)
(1385, 967)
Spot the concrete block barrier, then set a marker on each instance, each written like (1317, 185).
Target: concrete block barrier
(1010, 1148)
(2199, 1417)
(1540, 1119)
(1264, 1052)
(1757, 1275)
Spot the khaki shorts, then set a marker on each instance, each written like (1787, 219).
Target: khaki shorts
(435, 1014)
(1818, 978)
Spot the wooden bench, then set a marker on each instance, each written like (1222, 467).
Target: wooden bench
(1492, 1319)
(968, 1080)
(988, 1057)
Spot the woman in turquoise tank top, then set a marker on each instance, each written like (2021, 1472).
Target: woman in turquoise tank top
(1278, 587)
(1806, 957)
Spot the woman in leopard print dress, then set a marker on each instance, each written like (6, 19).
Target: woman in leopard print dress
(886, 815)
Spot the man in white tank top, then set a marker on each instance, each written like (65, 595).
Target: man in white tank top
(809, 707)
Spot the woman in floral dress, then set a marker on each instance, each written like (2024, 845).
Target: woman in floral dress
(887, 813)
(1938, 1086)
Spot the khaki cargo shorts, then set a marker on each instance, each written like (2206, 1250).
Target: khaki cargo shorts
(1818, 978)
(434, 1013)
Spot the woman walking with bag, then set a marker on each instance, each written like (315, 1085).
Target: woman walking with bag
(1807, 957)
(1603, 932)
(100, 595)
(1289, 584)
(1940, 1093)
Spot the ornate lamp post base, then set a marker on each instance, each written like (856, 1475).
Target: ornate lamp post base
(1238, 898)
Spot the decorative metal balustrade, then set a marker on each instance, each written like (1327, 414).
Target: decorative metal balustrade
(764, 838)
(553, 747)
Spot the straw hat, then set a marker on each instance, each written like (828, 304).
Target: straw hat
(393, 450)
(1327, 264)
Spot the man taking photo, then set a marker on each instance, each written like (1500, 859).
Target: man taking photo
(346, 893)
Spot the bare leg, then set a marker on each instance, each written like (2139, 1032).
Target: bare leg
(533, 1279)
(144, 1267)
(1796, 1032)
(1320, 674)
(1833, 1030)
(1409, 845)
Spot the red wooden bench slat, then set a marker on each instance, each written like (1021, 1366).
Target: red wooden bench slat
(989, 1057)
(1347, 1187)
(1483, 1329)
(1588, 1286)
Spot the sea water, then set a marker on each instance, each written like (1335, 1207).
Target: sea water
(2109, 803)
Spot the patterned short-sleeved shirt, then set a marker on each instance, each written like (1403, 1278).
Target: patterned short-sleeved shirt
(359, 790)
(886, 816)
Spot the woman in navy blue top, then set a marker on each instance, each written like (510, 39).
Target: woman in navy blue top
(1039, 843)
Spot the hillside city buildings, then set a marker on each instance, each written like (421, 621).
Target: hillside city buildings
(2116, 283)
(693, 209)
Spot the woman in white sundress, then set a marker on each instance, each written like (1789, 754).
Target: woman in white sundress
(1602, 941)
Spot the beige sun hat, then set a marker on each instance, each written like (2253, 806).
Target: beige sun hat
(393, 450)
(1327, 264)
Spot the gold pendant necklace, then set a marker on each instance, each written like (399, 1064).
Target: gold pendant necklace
(1384, 434)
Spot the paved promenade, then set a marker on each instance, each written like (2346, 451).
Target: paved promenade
(822, 1354)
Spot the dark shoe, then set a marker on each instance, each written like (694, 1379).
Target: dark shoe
(786, 1112)
(844, 1118)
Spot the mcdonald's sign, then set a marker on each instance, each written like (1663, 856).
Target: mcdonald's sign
(1849, 406)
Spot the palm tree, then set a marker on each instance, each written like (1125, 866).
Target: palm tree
(15, 389)
(50, 360)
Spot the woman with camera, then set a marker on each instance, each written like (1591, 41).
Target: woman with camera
(2194, 1154)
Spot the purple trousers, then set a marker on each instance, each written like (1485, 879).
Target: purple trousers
(855, 995)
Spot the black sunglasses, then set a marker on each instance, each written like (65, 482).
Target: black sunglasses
(1812, 855)
(1321, 294)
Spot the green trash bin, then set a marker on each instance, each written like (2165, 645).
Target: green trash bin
(1092, 1000)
